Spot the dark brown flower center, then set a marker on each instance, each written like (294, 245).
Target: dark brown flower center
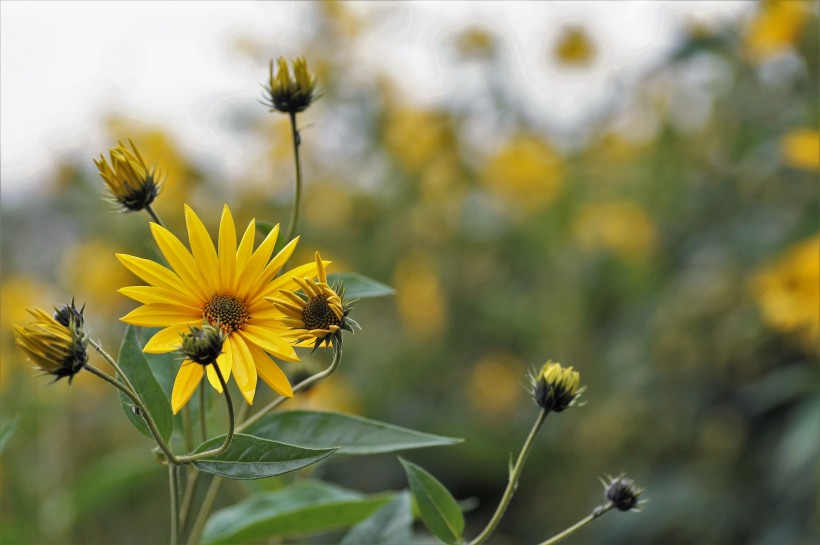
(317, 314)
(227, 311)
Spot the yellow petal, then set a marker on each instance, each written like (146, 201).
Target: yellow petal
(274, 266)
(202, 248)
(320, 269)
(245, 251)
(272, 344)
(168, 340)
(153, 273)
(244, 370)
(180, 260)
(270, 372)
(225, 363)
(286, 280)
(153, 294)
(227, 250)
(161, 315)
(249, 278)
(188, 378)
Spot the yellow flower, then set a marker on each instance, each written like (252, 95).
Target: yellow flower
(574, 47)
(788, 291)
(777, 26)
(227, 288)
(801, 149)
(618, 225)
(556, 388)
(290, 94)
(319, 313)
(57, 348)
(130, 181)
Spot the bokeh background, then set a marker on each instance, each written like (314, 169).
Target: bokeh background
(630, 188)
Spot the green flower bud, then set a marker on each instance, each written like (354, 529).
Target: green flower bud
(203, 345)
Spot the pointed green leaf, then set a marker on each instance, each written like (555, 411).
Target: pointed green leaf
(390, 525)
(307, 507)
(437, 508)
(136, 368)
(356, 435)
(358, 286)
(250, 457)
(7, 430)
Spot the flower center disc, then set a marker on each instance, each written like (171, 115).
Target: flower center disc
(226, 310)
(317, 314)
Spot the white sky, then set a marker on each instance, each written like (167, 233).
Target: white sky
(66, 65)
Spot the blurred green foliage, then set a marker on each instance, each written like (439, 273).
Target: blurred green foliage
(655, 252)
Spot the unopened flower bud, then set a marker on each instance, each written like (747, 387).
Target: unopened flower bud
(56, 348)
(622, 492)
(556, 388)
(290, 94)
(203, 345)
(131, 183)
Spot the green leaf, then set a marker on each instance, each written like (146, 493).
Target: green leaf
(250, 457)
(390, 525)
(307, 507)
(356, 435)
(136, 368)
(437, 508)
(7, 430)
(265, 227)
(358, 286)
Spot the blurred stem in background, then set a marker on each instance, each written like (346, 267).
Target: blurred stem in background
(154, 215)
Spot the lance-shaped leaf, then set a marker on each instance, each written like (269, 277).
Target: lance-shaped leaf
(250, 457)
(307, 507)
(390, 525)
(358, 286)
(136, 368)
(356, 435)
(438, 510)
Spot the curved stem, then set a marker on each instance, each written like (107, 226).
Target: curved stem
(113, 363)
(231, 426)
(172, 459)
(173, 480)
(512, 485)
(154, 215)
(580, 524)
(308, 382)
(297, 140)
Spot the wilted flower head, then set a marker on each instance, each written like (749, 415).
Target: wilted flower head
(131, 183)
(556, 388)
(290, 94)
(317, 313)
(203, 344)
(55, 348)
(622, 492)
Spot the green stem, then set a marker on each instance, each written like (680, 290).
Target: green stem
(308, 382)
(113, 363)
(204, 510)
(580, 524)
(186, 428)
(512, 485)
(297, 140)
(143, 411)
(154, 215)
(231, 426)
(188, 498)
(173, 480)
(202, 425)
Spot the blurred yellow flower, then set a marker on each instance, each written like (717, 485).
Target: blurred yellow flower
(495, 388)
(574, 47)
(526, 173)
(621, 226)
(801, 149)
(417, 138)
(788, 290)
(777, 26)
(337, 395)
(328, 206)
(419, 296)
(227, 289)
(98, 283)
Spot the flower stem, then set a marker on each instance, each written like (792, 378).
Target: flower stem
(231, 426)
(580, 524)
(113, 363)
(186, 428)
(512, 485)
(154, 215)
(202, 425)
(173, 480)
(297, 140)
(310, 381)
(205, 508)
(188, 498)
(143, 411)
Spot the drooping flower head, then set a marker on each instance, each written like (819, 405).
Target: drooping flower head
(226, 286)
(317, 312)
(556, 388)
(131, 183)
(56, 348)
(290, 94)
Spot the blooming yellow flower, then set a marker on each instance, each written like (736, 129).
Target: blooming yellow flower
(318, 314)
(130, 181)
(801, 149)
(57, 348)
(227, 288)
(778, 25)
